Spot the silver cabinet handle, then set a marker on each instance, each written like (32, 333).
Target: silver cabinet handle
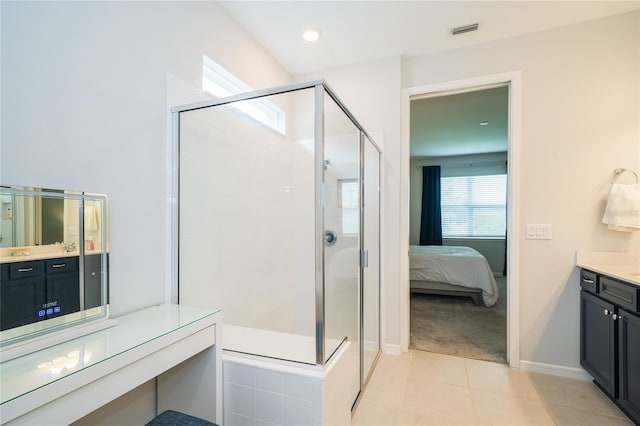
(61, 265)
(588, 281)
(606, 312)
(25, 269)
(615, 317)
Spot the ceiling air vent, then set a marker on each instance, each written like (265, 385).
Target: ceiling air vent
(464, 29)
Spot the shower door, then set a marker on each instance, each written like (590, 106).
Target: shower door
(341, 216)
(371, 257)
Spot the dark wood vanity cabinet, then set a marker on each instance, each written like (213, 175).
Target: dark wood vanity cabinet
(36, 290)
(629, 363)
(610, 338)
(93, 271)
(598, 340)
(63, 287)
(22, 292)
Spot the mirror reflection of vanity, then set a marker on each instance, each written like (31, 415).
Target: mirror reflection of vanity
(53, 261)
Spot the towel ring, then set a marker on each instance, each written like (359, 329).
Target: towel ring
(618, 172)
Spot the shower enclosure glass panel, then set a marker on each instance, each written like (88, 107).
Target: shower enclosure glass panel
(246, 223)
(271, 225)
(371, 257)
(341, 185)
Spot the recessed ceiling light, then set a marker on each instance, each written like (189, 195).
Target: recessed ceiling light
(484, 123)
(311, 35)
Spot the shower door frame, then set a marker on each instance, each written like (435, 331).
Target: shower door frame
(173, 164)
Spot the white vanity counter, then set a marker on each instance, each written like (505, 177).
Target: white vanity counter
(67, 381)
(41, 252)
(624, 266)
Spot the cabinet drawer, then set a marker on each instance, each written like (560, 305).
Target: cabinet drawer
(588, 281)
(26, 269)
(64, 264)
(620, 293)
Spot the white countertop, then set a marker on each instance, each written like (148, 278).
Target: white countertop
(45, 255)
(623, 266)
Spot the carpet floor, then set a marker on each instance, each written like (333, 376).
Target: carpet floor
(455, 326)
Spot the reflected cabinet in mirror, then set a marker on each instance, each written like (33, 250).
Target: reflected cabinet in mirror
(53, 261)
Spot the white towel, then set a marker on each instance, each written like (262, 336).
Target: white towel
(623, 208)
(90, 218)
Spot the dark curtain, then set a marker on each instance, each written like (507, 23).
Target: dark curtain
(431, 218)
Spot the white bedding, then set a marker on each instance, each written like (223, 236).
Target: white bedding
(461, 266)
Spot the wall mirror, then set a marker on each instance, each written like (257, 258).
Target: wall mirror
(53, 261)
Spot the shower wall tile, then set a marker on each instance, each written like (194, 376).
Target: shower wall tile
(269, 406)
(240, 374)
(238, 420)
(298, 411)
(270, 380)
(263, 423)
(318, 402)
(298, 386)
(240, 399)
(262, 397)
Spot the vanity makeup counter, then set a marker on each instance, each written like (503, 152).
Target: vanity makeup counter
(64, 382)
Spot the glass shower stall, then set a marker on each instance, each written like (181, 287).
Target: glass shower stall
(279, 224)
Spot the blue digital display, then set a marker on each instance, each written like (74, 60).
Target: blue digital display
(49, 311)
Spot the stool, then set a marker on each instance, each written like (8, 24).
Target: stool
(175, 418)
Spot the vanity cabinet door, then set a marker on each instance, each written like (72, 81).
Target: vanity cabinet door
(20, 299)
(63, 287)
(629, 363)
(598, 340)
(93, 270)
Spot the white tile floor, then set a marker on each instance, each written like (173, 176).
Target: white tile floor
(422, 388)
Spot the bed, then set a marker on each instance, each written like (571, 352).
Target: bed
(452, 270)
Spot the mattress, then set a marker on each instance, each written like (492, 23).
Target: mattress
(456, 265)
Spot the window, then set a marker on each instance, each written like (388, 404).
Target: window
(221, 83)
(474, 206)
(348, 196)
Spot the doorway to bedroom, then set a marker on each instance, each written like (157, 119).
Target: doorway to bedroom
(458, 199)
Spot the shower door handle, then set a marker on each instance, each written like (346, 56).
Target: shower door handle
(330, 238)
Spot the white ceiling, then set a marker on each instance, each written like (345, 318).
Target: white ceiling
(450, 125)
(360, 31)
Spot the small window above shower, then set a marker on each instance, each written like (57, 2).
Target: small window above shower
(221, 83)
(349, 202)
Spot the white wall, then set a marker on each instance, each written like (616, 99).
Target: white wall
(83, 107)
(580, 121)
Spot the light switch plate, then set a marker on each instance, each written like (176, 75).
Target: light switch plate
(538, 231)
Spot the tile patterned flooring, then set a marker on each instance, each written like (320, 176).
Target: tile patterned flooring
(423, 388)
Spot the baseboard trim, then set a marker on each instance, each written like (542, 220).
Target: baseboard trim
(391, 349)
(555, 370)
